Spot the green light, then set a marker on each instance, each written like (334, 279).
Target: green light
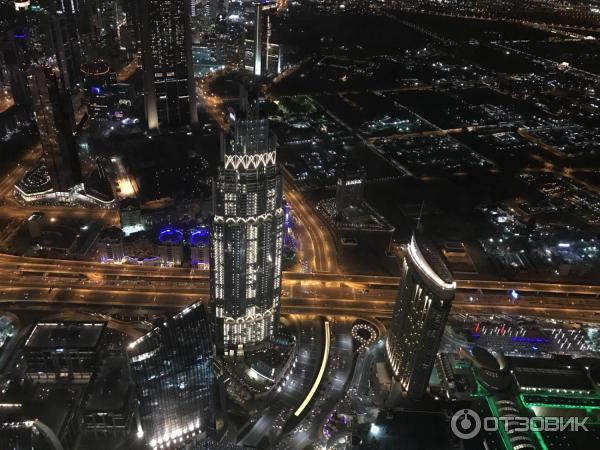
(501, 430)
(540, 440)
(583, 405)
(535, 432)
(561, 406)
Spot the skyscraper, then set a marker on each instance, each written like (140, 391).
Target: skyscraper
(66, 40)
(172, 368)
(247, 235)
(258, 40)
(350, 190)
(169, 91)
(261, 56)
(54, 116)
(420, 313)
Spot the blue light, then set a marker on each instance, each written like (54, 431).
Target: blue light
(170, 236)
(199, 236)
(530, 340)
(96, 90)
(514, 294)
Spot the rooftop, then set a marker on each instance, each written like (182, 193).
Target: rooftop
(428, 258)
(68, 334)
(559, 372)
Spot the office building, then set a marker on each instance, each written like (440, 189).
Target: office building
(350, 190)
(172, 368)
(66, 41)
(261, 56)
(420, 313)
(54, 116)
(63, 350)
(169, 90)
(247, 233)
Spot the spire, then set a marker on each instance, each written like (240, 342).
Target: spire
(419, 226)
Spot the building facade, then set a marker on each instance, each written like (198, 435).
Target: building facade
(110, 246)
(247, 234)
(169, 91)
(350, 190)
(424, 299)
(55, 121)
(172, 368)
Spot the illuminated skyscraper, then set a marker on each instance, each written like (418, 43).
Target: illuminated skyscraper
(169, 91)
(172, 368)
(258, 40)
(422, 306)
(247, 235)
(261, 56)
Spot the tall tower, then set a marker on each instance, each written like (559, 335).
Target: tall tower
(258, 40)
(54, 116)
(247, 235)
(66, 40)
(172, 368)
(422, 306)
(169, 91)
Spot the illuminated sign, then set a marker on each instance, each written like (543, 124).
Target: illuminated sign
(19, 5)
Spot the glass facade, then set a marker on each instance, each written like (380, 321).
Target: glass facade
(55, 121)
(167, 50)
(420, 313)
(172, 367)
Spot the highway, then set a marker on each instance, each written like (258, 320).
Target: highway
(316, 244)
(47, 282)
(321, 289)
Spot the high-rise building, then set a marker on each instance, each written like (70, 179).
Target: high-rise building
(258, 40)
(169, 91)
(261, 56)
(422, 306)
(66, 350)
(13, 83)
(172, 368)
(247, 234)
(55, 121)
(350, 190)
(65, 39)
